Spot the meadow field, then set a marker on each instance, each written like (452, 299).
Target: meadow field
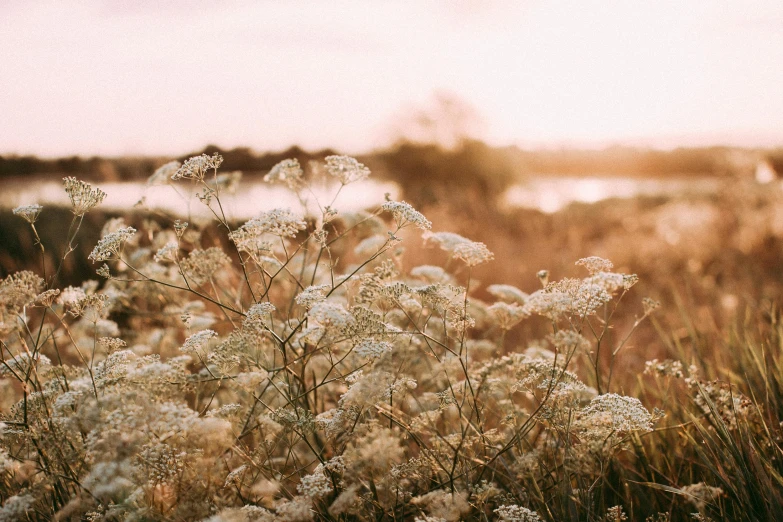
(433, 354)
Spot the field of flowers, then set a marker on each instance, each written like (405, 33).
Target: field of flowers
(314, 364)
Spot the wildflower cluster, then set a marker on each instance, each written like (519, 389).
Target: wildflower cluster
(304, 377)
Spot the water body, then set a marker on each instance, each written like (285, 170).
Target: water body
(547, 194)
(550, 194)
(249, 199)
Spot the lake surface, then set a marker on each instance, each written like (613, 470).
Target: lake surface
(248, 201)
(548, 194)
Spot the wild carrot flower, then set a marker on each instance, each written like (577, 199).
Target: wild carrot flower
(19, 289)
(447, 241)
(93, 307)
(288, 172)
(346, 169)
(197, 167)
(473, 253)
(164, 173)
(617, 413)
(200, 265)
(167, 252)
(82, 195)
(47, 297)
(595, 264)
(258, 315)
(429, 273)
(666, 368)
(312, 295)
(372, 349)
(197, 341)
(28, 212)
(22, 363)
(508, 293)
(277, 222)
(404, 213)
(507, 316)
(512, 513)
(111, 244)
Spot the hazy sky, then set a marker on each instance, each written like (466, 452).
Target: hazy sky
(149, 76)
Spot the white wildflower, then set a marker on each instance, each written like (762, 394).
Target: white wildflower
(235, 477)
(200, 265)
(16, 508)
(665, 368)
(257, 315)
(111, 244)
(316, 485)
(507, 316)
(404, 214)
(196, 342)
(47, 297)
(278, 222)
(513, 513)
(595, 264)
(616, 413)
(28, 212)
(23, 363)
(167, 252)
(288, 172)
(430, 273)
(197, 167)
(312, 295)
(82, 195)
(473, 253)
(373, 349)
(447, 241)
(346, 169)
(508, 293)
(615, 514)
(163, 174)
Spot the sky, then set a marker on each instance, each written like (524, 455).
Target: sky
(168, 77)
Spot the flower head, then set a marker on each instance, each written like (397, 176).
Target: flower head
(110, 244)
(346, 169)
(287, 171)
(595, 264)
(164, 173)
(28, 212)
(82, 195)
(473, 253)
(404, 213)
(197, 167)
